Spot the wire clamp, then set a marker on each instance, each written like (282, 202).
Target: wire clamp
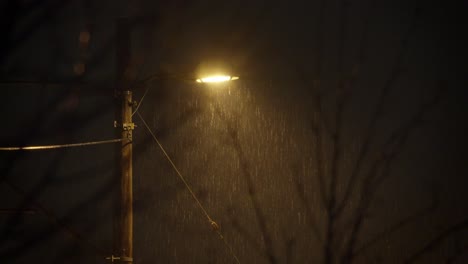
(214, 225)
(128, 126)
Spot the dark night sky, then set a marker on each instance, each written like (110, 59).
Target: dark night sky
(249, 149)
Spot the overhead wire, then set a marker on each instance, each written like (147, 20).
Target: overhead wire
(176, 169)
(213, 224)
(145, 81)
(140, 70)
(42, 147)
(75, 235)
(141, 100)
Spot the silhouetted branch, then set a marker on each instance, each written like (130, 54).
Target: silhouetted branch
(242, 231)
(459, 252)
(261, 220)
(289, 247)
(398, 139)
(310, 215)
(365, 198)
(336, 138)
(378, 112)
(44, 11)
(78, 237)
(361, 55)
(383, 164)
(391, 230)
(437, 241)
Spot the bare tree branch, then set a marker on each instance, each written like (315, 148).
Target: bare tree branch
(434, 243)
(379, 111)
(336, 138)
(260, 217)
(310, 215)
(391, 230)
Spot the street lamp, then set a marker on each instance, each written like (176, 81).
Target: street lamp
(214, 71)
(209, 72)
(126, 197)
(217, 79)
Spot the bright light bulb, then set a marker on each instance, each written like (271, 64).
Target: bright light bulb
(217, 79)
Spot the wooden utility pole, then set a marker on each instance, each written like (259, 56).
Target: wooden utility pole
(126, 185)
(123, 245)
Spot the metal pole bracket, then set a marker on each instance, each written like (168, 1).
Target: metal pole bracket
(128, 126)
(113, 259)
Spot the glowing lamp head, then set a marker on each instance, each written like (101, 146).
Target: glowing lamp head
(217, 79)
